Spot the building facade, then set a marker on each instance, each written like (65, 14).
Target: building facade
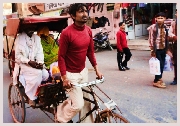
(104, 16)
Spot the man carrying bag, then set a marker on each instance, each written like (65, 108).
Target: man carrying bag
(158, 39)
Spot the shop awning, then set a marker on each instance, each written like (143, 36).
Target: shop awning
(36, 8)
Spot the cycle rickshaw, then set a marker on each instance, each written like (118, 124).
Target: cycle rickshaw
(51, 94)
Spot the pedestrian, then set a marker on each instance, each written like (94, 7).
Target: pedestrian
(122, 48)
(158, 39)
(173, 29)
(29, 53)
(75, 44)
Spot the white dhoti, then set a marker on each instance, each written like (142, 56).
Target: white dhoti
(31, 78)
(26, 49)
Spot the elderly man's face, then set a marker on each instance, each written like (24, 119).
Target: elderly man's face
(29, 30)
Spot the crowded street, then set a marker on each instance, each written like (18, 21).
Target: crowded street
(132, 90)
(90, 63)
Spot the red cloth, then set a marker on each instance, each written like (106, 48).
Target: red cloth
(121, 40)
(153, 21)
(74, 45)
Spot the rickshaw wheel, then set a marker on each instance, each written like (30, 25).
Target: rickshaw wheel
(16, 103)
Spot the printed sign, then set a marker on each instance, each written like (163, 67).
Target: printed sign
(54, 6)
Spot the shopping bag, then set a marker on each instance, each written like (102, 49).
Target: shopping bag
(154, 65)
(168, 66)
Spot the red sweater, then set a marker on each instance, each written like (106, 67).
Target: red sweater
(121, 40)
(74, 45)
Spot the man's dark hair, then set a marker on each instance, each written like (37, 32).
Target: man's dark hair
(120, 24)
(162, 14)
(75, 7)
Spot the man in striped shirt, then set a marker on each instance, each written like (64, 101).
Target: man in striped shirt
(158, 39)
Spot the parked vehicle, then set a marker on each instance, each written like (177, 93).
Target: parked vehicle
(101, 41)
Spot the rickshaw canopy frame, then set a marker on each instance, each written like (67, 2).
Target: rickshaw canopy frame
(15, 25)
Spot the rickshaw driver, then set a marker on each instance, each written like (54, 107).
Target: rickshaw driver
(75, 45)
(29, 53)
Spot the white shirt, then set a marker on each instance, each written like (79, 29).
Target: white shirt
(28, 49)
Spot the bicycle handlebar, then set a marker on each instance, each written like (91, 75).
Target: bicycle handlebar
(90, 83)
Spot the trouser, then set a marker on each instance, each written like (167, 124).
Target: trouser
(160, 55)
(33, 78)
(75, 103)
(175, 60)
(119, 59)
(128, 55)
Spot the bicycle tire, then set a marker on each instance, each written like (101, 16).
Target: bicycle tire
(111, 117)
(16, 104)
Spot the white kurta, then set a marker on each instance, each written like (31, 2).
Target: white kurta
(27, 49)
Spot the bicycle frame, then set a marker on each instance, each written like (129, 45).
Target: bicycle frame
(97, 108)
(95, 102)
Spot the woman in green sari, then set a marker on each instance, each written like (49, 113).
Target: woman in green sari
(50, 48)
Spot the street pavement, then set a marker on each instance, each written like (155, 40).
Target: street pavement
(132, 90)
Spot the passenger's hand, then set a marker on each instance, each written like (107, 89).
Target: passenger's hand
(67, 84)
(32, 63)
(39, 66)
(153, 54)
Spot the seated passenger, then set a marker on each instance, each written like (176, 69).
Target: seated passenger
(50, 48)
(29, 53)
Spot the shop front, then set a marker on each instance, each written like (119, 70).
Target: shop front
(135, 16)
(106, 16)
(140, 15)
